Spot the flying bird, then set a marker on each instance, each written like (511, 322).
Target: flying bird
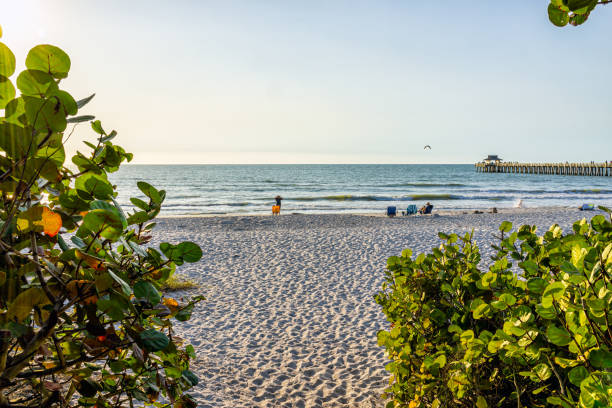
(427, 147)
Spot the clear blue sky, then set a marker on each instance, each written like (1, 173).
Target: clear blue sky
(332, 81)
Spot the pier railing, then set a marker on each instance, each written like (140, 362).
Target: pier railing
(566, 169)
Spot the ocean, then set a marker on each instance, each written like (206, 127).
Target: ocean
(348, 188)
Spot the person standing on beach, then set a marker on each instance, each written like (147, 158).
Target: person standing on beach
(278, 201)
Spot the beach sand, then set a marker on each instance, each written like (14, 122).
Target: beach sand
(289, 318)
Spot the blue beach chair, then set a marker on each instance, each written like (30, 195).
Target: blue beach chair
(587, 207)
(391, 211)
(412, 209)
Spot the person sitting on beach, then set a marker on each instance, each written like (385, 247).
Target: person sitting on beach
(426, 209)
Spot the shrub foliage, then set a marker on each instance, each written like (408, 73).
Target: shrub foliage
(573, 12)
(531, 331)
(82, 319)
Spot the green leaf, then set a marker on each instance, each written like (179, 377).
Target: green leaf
(546, 312)
(35, 83)
(558, 17)
(44, 114)
(190, 251)
(601, 358)
(543, 371)
(103, 205)
(190, 377)
(80, 119)
(7, 61)
(30, 220)
(508, 299)
(184, 314)
(15, 141)
(90, 186)
(139, 203)
(7, 93)
(150, 192)
(124, 286)
(97, 127)
(82, 102)
(481, 402)
(577, 374)
(554, 291)
(558, 336)
(23, 304)
(153, 341)
(49, 59)
(146, 290)
(87, 387)
(505, 226)
(482, 311)
(138, 218)
(576, 5)
(105, 223)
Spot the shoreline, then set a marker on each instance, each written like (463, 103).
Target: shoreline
(286, 212)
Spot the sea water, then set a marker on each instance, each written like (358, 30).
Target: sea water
(347, 188)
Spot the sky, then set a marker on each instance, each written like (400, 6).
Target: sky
(330, 81)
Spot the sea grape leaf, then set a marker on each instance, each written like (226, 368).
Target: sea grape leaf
(601, 358)
(43, 115)
(7, 61)
(96, 125)
(23, 304)
(103, 205)
(82, 102)
(190, 377)
(138, 218)
(577, 374)
(190, 251)
(31, 220)
(106, 223)
(15, 141)
(7, 92)
(90, 186)
(153, 341)
(32, 82)
(124, 286)
(80, 119)
(558, 17)
(150, 192)
(49, 59)
(184, 314)
(558, 336)
(146, 290)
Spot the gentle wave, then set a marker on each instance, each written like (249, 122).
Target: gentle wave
(422, 185)
(347, 197)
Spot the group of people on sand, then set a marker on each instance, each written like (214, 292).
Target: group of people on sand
(426, 209)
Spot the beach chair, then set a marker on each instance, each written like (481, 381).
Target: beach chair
(587, 207)
(391, 211)
(412, 209)
(427, 210)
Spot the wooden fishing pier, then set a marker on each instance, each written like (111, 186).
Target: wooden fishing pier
(494, 164)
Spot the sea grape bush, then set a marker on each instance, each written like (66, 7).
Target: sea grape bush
(82, 318)
(531, 331)
(573, 12)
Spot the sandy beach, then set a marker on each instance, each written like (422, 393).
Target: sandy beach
(289, 318)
